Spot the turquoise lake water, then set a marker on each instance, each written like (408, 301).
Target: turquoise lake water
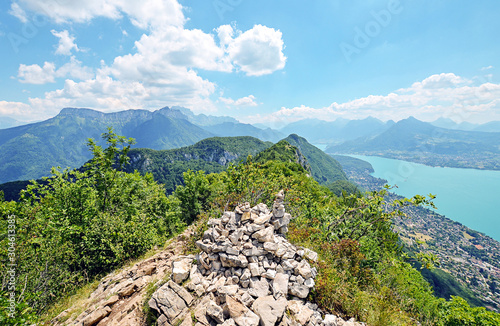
(468, 196)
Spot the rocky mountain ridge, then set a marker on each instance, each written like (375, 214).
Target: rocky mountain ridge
(247, 274)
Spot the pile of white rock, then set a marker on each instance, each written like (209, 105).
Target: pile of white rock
(247, 274)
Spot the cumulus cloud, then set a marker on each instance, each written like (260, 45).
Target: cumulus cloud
(443, 95)
(66, 42)
(153, 13)
(444, 80)
(34, 74)
(258, 51)
(182, 47)
(246, 101)
(15, 109)
(74, 69)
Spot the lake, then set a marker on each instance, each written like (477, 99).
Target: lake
(468, 196)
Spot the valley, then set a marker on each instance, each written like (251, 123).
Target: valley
(416, 141)
(468, 261)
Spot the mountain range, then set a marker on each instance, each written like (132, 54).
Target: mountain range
(210, 155)
(492, 126)
(29, 151)
(414, 140)
(338, 131)
(214, 154)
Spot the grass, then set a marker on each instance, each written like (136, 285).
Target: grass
(151, 288)
(467, 236)
(421, 236)
(76, 300)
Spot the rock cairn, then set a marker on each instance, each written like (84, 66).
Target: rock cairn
(247, 274)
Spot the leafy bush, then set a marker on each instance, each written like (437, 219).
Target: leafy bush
(20, 314)
(457, 312)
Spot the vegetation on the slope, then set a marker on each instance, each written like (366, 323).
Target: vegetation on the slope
(80, 225)
(284, 152)
(210, 155)
(29, 151)
(12, 190)
(352, 163)
(343, 187)
(325, 169)
(83, 224)
(446, 286)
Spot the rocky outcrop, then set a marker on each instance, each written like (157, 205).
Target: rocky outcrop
(119, 298)
(247, 274)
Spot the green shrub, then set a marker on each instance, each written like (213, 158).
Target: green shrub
(457, 312)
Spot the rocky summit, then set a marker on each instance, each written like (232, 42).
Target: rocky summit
(247, 274)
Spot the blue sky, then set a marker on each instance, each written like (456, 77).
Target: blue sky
(269, 62)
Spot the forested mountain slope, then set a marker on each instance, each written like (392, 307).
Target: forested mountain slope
(29, 151)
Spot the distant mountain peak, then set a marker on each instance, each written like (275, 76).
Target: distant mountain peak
(77, 111)
(412, 121)
(411, 118)
(201, 119)
(171, 113)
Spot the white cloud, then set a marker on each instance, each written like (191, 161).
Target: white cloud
(34, 74)
(66, 42)
(258, 51)
(184, 48)
(74, 69)
(444, 80)
(15, 109)
(144, 14)
(153, 13)
(444, 95)
(246, 101)
(225, 34)
(162, 70)
(487, 68)
(107, 94)
(18, 12)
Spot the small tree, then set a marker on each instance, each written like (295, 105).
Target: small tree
(106, 163)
